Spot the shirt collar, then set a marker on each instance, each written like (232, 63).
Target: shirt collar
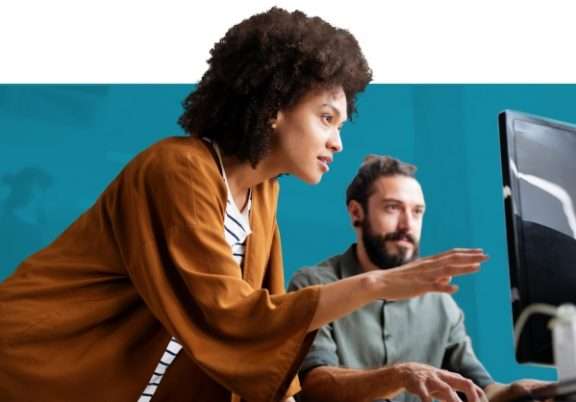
(348, 264)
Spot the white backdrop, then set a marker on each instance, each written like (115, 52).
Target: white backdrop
(70, 41)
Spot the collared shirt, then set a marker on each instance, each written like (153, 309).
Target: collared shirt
(428, 329)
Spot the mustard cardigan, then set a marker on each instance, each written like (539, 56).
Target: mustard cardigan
(88, 317)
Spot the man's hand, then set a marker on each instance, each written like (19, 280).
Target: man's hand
(429, 383)
(510, 392)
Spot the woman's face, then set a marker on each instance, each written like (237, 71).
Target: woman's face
(308, 133)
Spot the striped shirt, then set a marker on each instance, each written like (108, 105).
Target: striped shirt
(236, 230)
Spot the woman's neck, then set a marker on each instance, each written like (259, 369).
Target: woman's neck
(242, 177)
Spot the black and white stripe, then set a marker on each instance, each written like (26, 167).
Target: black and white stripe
(236, 230)
(166, 360)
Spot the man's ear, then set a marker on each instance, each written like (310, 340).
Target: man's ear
(356, 213)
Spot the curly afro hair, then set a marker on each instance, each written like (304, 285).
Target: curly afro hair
(265, 64)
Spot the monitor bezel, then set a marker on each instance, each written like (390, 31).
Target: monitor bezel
(520, 293)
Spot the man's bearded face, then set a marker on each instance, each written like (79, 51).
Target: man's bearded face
(391, 222)
(381, 254)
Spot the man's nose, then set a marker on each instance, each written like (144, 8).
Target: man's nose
(406, 221)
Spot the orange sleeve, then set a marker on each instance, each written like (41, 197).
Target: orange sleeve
(168, 216)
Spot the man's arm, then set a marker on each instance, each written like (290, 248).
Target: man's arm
(341, 384)
(460, 357)
(459, 354)
(497, 392)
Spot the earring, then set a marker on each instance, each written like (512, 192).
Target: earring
(273, 126)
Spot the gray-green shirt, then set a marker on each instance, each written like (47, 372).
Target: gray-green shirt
(427, 329)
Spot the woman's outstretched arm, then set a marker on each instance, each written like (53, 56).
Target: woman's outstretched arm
(430, 274)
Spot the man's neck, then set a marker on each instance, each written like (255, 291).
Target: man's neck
(363, 260)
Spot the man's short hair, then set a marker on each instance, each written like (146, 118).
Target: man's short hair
(374, 167)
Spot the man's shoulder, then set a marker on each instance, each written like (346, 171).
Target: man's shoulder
(322, 273)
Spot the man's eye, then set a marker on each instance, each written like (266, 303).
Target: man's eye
(391, 208)
(327, 118)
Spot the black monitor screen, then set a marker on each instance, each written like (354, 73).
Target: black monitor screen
(539, 172)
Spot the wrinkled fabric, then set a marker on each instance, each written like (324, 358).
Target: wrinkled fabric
(88, 317)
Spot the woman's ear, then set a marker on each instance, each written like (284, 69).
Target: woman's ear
(275, 122)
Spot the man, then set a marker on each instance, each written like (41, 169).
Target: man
(402, 350)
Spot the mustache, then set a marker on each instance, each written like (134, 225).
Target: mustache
(399, 235)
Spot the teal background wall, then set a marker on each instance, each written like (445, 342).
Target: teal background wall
(61, 145)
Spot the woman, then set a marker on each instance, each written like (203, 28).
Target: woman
(170, 288)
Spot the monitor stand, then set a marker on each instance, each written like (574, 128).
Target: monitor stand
(563, 328)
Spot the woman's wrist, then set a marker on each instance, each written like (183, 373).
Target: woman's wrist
(374, 284)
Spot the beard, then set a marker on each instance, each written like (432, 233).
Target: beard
(377, 252)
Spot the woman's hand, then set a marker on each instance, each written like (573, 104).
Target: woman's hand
(429, 274)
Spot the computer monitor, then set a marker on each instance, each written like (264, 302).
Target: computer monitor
(539, 174)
